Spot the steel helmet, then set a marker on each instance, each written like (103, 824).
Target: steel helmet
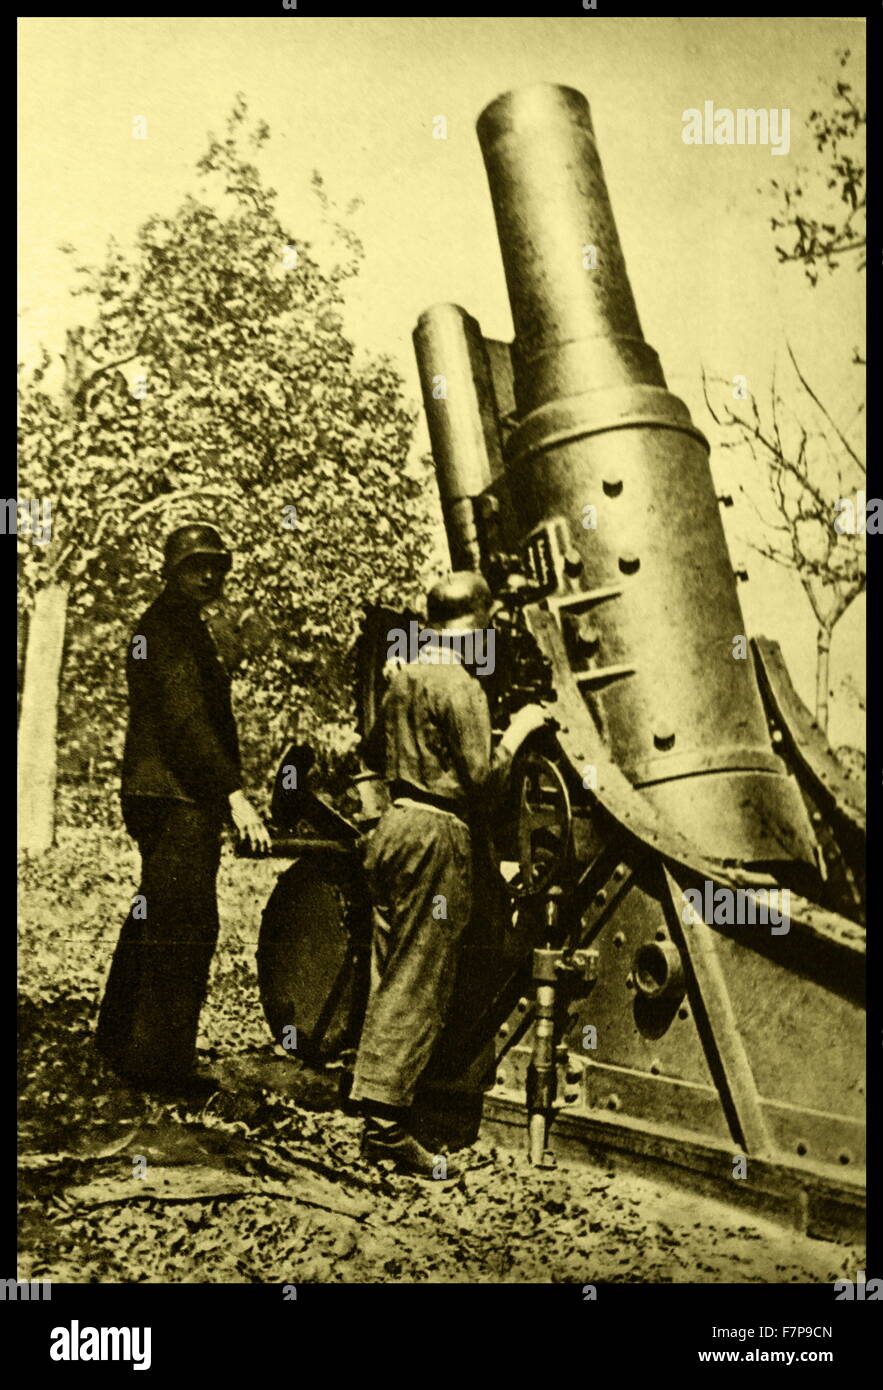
(462, 598)
(196, 538)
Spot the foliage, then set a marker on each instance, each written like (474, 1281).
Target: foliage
(812, 461)
(823, 208)
(244, 403)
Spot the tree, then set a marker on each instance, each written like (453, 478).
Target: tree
(215, 380)
(822, 211)
(810, 469)
(63, 458)
(814, 465)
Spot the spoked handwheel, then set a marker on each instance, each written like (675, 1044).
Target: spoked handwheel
(543, 823)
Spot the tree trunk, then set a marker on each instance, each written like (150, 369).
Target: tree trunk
(823, 658)
(37, 754)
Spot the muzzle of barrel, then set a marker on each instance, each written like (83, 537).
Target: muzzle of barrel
(605, 466)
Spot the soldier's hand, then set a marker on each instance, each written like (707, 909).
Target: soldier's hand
(249, 824)
(527, 721)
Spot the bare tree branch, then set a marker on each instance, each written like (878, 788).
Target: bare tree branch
(811, 393)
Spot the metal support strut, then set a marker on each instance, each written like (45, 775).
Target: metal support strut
(541, 1074)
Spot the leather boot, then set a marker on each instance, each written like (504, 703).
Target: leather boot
(393, 1141)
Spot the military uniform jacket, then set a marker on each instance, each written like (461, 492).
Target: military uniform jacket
(181, 740)
(433, 733)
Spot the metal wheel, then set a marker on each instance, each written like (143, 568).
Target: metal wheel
(311, 957)
(544, 822)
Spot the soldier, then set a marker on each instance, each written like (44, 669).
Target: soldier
(181, 779)
(432, 742)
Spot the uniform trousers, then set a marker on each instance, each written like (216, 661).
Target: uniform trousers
(419, 871)
(159, 974)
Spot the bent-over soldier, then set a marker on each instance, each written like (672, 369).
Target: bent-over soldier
(432, 742)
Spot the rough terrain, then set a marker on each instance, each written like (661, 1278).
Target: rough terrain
(263, 1183)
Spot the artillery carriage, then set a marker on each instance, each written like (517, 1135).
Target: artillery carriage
(610, 1001)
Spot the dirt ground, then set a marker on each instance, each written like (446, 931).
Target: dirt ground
(263, 1183)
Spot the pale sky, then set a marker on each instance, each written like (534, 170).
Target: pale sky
(355, 98)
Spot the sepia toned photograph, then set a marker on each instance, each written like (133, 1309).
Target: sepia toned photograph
(441, 523)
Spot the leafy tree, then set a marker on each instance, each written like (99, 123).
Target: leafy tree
(822, 213)
(813, 462)
(216, 381)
